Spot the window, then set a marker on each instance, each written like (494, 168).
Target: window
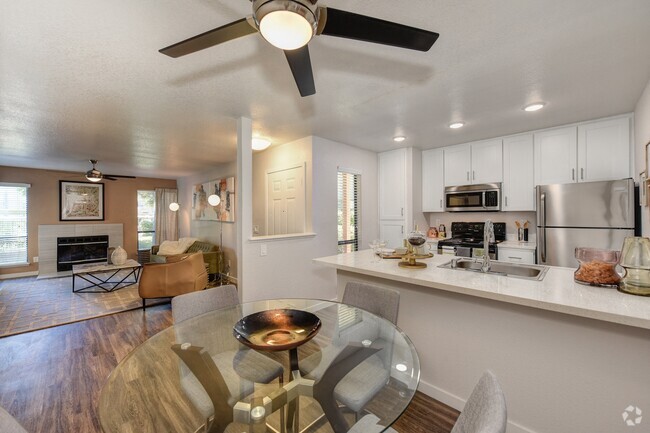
(348, 211)
(13, 224)
(146, 219)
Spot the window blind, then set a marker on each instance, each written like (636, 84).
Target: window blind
(348, 212)
(13, 224)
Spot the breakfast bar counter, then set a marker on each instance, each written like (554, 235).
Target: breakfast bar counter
(556, 292)
(570, 357)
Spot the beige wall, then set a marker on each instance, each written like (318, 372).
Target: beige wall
(209, 230)
(120, 205)
(641, 137)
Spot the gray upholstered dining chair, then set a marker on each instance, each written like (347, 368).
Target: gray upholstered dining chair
(370, 424)
(8, 423)
(361, 384)
(485, 410)
(240, 367)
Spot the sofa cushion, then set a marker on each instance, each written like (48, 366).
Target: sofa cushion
(204, 247)
(169, 248)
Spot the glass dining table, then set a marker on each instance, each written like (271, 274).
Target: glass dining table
(357, 374)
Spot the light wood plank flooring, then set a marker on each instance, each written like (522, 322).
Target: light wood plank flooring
(50, 379)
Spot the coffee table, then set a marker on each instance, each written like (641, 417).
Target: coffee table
(104, 277)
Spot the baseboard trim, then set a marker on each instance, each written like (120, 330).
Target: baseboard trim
(18, 275)
(458, 403)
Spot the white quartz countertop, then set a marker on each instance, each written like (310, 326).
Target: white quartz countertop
(556, 292)
(518, 244)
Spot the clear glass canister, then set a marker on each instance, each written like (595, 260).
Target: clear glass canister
(635, 259)
(597, 267)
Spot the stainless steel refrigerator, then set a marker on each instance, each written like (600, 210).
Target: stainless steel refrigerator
(590, 214)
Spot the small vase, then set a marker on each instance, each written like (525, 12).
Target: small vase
(119, 256)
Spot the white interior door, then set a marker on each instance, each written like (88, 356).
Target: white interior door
(286, 201)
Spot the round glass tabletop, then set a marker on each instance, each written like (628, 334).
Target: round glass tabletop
(358, 373)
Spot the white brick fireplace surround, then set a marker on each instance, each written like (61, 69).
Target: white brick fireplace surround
(47, 235)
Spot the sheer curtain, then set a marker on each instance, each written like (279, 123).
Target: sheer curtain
(166, 220)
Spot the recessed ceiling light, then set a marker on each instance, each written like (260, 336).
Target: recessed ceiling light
(260, 143)
(534, 107)
(456, 125)
(399, 138)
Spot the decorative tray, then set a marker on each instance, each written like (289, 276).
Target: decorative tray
(401, 256)
(274, 330)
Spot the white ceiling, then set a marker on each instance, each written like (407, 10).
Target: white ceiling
(83, 79)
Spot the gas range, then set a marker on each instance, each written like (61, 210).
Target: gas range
(466, 237)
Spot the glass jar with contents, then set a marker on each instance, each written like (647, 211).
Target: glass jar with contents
(597, 267)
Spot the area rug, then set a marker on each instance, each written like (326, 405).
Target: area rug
(28, 304)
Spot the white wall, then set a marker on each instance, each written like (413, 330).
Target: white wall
(287, 269)
(641, 137)
(275, 158)
(208, 230)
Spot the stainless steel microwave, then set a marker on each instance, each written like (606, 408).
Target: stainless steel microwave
(473, 198)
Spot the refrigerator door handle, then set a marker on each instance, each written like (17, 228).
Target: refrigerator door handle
(542, 223)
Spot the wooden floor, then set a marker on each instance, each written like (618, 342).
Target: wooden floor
(50, 379)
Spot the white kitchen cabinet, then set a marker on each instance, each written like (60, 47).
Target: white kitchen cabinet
(487, 161)
(516, 255)
(472, 163)
(392, 185)
(433, 181)
(518, 188)
(458, 164)
(588, 152)
(556, 156)
(604, 150)
(393, 232)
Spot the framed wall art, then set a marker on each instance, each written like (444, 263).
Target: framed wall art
(81, 201)
(224, 211)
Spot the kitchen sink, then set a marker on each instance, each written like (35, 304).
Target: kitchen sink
(528, 272)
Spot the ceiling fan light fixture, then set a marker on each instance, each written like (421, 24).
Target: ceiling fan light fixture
(286, 24)
(456, 125)
(93, 175)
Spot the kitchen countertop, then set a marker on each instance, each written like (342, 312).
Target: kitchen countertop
(518, 244)
(556, 292)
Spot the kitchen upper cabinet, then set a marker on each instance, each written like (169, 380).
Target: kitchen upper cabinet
(472, 163)
(487, 161)
(556, 156)
(392, 184)
(433, 180)
(518, 173)
(458, 164)
(585, 153)
(604, 150)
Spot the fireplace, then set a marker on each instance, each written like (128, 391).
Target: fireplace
(77, 250)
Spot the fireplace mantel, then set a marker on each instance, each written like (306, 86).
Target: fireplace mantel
(47, 235)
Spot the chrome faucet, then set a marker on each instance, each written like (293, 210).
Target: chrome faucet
(488, 236)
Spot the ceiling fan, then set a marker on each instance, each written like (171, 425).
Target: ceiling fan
(95, 175)
(290, 25)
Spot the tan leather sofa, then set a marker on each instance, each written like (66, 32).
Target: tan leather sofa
(182, 274)
(212, 256)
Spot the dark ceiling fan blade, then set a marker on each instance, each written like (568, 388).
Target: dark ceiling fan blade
(300, 65)
(213, 37)
(106, 176)
(363, 28)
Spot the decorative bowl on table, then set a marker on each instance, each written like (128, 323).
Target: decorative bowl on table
(597, 267)
(275, 330)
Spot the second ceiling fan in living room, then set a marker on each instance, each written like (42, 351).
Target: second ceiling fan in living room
(95, 175)
(291, 24)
